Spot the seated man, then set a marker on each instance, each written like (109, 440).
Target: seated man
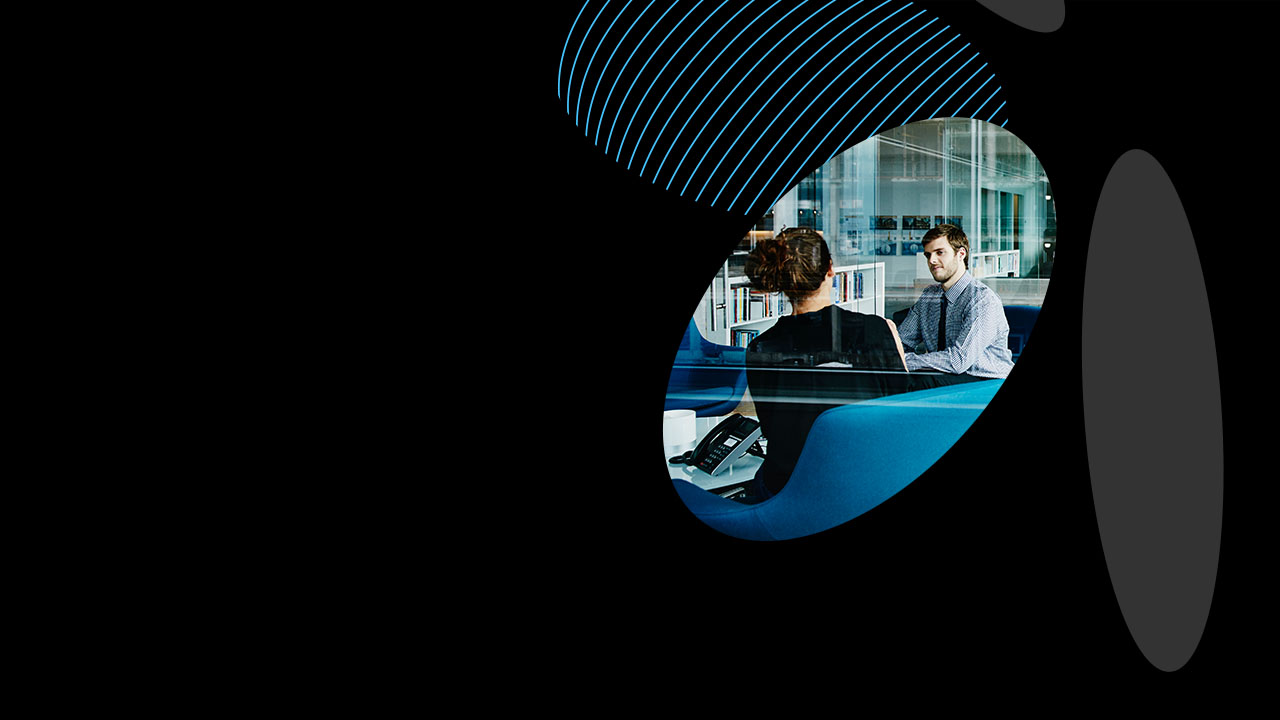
(957, 330)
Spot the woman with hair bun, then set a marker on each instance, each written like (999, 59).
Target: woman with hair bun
(819, 357)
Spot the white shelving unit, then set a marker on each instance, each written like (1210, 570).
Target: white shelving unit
(1002, 263)
(735, 313)
(999, 263)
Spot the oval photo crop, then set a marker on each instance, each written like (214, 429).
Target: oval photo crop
(895, 285)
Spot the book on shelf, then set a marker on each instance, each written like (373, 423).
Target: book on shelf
(742, 337)
(749, 305)
(847, 286)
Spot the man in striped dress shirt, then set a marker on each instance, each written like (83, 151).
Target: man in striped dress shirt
(958, 326)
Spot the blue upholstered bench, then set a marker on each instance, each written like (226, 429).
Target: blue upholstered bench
(856, 457)
(707, 377)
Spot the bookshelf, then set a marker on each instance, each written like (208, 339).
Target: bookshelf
(735, 313)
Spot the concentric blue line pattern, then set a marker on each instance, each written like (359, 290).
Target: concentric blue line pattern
(798, 116)
(828, 87)
(746, 77)
(928, 43)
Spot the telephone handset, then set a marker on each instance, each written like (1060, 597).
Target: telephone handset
(731, 439)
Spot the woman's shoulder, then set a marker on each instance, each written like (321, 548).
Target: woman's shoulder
(779, 331)
(857, 318)
(872, 326)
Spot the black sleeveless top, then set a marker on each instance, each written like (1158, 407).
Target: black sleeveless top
(807, 364)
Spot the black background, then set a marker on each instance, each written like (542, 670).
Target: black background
(988, 567)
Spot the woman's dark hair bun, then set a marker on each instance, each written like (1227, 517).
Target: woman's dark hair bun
(767, 263)
(795, 262)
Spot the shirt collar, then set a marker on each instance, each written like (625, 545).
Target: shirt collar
(954, 293)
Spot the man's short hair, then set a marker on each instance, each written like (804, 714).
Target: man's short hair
(954, 235)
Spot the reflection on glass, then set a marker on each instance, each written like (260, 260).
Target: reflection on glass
(872, 206)
(868, 200)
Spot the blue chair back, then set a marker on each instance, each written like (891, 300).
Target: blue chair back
(856, 457)
(707, 377)
(1021, 319)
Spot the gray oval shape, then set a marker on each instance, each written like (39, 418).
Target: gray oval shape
(1039, 15)
(1152, 410)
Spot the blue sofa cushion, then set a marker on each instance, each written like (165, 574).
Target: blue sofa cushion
(856, 457)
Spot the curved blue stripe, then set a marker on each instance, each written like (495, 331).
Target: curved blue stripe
(895, 87)
(984, 103)
(966, 100)
(623, 69)
(617, 46)
(916, 89)
(686, 94)
(958, 89)
(577, 54)
(856, 104)
(846, 90)
(707, 94)
(694, 142)
(673, 83)
(761, 85)
(560, 71)
(942, 84)
(654, 82)
(587, 70)
(753, 120)
(993, 112)
(778, 114)
(652, 55)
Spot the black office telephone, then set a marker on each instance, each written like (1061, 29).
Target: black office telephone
(736, 436)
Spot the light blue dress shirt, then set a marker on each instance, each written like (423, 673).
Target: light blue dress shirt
(977, 331)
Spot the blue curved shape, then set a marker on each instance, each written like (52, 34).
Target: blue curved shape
(984, 102)
(580, 45)
(693, 173)
(707, 94)
(857, 457)
(775, 92)
(993, 112)
(563, 51)
(841, 96)
(801, 167)
(873, 132)
(966, 100)
(695, 82)
(953, 92)
(797, 93)
(679, 118)
(587, 70)
(941, 85)
(646, 92)
(916, 89)
(596, 91)
(673, 82)
(600, 124)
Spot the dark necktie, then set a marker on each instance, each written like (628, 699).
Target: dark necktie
(942, 325)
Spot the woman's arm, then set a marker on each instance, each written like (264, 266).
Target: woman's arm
(893, 329)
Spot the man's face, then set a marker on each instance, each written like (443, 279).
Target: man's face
(944, 262)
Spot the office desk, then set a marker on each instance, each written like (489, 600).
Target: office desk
(742, 471)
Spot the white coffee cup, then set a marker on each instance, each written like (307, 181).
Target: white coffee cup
(679, 431)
